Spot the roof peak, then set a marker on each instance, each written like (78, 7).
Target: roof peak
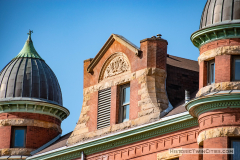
(28, 50)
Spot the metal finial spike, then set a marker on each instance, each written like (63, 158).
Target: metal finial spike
(30, 32)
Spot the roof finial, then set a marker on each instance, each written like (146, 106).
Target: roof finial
(29, 34)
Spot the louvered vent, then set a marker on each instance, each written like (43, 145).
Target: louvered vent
(104, 104)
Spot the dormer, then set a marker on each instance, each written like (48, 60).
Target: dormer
(124, 86)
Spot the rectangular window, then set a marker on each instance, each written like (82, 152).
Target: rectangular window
(18, 137)
(235, 143)
(125, 103)
(211, 72)
(104, 105)
(236, 68)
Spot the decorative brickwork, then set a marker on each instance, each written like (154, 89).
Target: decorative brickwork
(154, 148)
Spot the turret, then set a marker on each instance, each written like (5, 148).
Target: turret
(217, 103)
(31, 108)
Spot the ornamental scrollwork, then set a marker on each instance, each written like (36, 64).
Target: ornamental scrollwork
(115, 65)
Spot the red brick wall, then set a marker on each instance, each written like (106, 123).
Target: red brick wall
(219, 118)
(86, 77)
(156, 53)
(93, 103)
(38, 136)
(135, 62)
(5, 137)
(36, 116)
(223, 68)
(202, 74)
(148, 149)
(161, 58)
(134, 98)
(219, 142)
(115, 101)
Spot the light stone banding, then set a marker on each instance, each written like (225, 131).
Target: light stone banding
(15, 151)
(167, 156)
(218, 132)
(226, 50)
(216, 87)
(29, 122)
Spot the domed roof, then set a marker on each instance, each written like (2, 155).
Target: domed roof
(28, 76)
(218, 12)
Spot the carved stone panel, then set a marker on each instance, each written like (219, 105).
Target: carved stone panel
(114, 65)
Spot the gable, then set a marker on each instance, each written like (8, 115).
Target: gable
(107, 45)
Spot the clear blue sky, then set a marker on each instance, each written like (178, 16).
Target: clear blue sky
(66, 32)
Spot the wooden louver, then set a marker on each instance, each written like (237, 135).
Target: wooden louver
(104, 104)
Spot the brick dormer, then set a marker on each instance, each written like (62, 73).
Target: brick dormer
(124, 86)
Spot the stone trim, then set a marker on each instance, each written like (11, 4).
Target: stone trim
(34, 107)
(16, 151)
(106, 46)
(230, 131)
(226, 50)
(167, 156)
(153, 100)
(29, 122)
(217, 87)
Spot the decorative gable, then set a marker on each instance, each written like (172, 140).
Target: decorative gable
(116, 64)
(111, 39)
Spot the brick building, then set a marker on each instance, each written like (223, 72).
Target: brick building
(138, 102)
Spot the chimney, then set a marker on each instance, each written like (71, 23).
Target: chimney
(155, 49)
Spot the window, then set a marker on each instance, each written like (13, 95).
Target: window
(211, 72)
(236, 68)
(18, 137)
(125, 103)
(235, 143)
(104, 104)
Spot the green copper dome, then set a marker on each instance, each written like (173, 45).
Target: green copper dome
(28, 50)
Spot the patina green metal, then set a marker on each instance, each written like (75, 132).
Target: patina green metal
(28, 50)
(121, 139)
(34, 106)
(203, 36)
(204, 104)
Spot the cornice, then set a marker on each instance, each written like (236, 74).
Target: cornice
(107, 45)
(164, 126)
(204, 104)
(32, 106)
(203, 36)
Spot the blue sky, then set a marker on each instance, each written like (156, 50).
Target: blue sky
(66, 32)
